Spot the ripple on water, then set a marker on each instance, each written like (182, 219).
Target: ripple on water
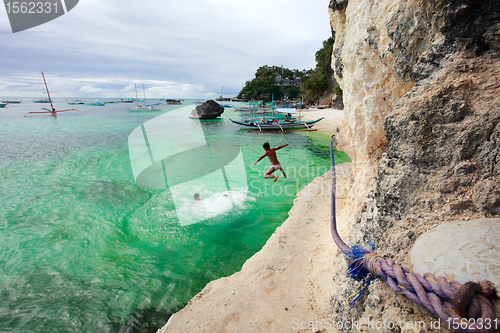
(85, 249)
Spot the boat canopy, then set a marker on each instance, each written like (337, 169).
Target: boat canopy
(286, 110)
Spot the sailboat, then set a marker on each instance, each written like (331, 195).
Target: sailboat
(144, 107)
(52, 111)
(221, 99)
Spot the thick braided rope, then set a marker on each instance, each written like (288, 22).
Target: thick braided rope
(434, 293)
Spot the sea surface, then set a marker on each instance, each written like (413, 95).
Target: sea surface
(84, 248)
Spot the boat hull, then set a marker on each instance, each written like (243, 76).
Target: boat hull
(276, 127)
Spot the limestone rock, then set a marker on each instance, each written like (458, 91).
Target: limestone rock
(421, 82)
(461, 251)
(208, 110)
(382, 51)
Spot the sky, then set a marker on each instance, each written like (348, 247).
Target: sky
(177, 49)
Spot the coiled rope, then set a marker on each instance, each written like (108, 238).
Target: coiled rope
(464, 308)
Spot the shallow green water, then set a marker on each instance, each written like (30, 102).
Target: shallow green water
(84, 249)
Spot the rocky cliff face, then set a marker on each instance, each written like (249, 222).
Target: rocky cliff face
(421, 82)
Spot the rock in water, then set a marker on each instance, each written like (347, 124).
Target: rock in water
(208, 110)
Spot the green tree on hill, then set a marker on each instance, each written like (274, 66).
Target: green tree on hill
(270, 81)
(282, 82)
(321, 79)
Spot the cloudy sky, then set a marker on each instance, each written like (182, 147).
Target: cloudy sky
(178, 49)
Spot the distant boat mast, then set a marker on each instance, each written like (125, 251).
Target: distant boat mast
(48, 94)
(136, 97)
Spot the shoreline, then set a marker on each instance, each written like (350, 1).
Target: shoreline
(289, 279)
(333, 118)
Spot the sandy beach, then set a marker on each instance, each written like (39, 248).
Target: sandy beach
(328, 125)
(288, 282)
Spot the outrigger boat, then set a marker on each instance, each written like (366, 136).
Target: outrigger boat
(76, 102)
(53, 111)
(96, 102)
(274, 125)
(277, 122)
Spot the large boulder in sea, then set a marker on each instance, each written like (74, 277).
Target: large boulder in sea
(208, 110)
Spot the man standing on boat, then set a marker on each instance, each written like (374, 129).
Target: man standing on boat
(275, 165)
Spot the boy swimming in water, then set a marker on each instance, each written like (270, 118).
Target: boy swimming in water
(275, 165)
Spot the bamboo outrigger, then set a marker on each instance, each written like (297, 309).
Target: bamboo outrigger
(53, 111)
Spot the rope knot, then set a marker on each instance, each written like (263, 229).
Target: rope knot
(361, 267)
(465, 301)
(370, 260)
(356, 267)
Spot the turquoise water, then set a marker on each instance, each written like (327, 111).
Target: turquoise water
(84, 249)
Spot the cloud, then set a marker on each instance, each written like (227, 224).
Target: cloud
(89, 89)
(189, 47)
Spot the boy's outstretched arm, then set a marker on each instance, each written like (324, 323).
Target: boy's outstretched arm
(286, 144)
(260, 158)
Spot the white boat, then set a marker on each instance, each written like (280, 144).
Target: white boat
(145, 107)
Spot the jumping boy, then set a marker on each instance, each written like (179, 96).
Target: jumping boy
(275, 165)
